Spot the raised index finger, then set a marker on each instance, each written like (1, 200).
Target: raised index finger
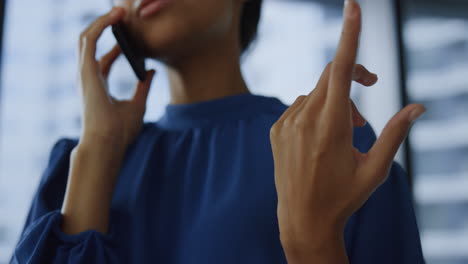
(342, 69)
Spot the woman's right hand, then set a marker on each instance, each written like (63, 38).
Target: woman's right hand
(109, 126)
(105, 119)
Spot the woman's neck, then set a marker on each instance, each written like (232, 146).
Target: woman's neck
(212, 73)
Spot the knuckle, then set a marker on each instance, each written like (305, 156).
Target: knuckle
(288, 122)
(275, 128)
(103, 19)
(297, 124)
(300, 124)
(81, 38)
(83, 34)
(100, 19)
(84, 39)
(88, 39)
(273, 133)
(301, 98)
(298, 100)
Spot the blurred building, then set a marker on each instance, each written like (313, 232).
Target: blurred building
(436, 47)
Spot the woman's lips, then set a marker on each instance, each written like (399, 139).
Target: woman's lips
(152, 8)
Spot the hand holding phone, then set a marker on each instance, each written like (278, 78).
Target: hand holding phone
(109, 126)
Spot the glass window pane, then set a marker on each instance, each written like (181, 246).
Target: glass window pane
(436, 44)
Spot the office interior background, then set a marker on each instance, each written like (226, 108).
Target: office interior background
(419, 49)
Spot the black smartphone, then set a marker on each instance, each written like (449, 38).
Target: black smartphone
(136, 61)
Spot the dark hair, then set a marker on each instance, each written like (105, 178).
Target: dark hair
(249, 22)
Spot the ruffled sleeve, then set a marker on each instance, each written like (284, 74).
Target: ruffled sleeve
(42, 240)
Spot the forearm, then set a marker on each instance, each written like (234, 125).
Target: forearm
(93, 173)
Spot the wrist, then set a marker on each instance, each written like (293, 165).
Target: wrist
(102, 145)
(94, 169)
(318, 244)
(95, 164)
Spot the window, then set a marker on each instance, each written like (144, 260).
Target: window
(436, 45)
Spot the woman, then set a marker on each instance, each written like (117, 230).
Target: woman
(198, 185)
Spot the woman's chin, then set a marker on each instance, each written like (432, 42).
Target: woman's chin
(160, 50)
(169, 49)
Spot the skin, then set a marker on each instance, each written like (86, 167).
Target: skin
(201, 53)
(321, 179)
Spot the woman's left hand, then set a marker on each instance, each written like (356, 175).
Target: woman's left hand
(321, 179)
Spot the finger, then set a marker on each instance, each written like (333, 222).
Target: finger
(322, 84)
(141, 93)
(108, 59)
(360, 74)
(320, 90)
(344, 62)
(90, 36)
(364, 76)
(385, 148)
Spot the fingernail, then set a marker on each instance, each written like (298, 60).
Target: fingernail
(349, 10)
(416, 113)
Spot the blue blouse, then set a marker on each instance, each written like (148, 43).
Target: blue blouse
(197, 186)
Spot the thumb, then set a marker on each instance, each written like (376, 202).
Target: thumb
(143, 87)
(381, 155)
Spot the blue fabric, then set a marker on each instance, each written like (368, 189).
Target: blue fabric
(197, 186)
